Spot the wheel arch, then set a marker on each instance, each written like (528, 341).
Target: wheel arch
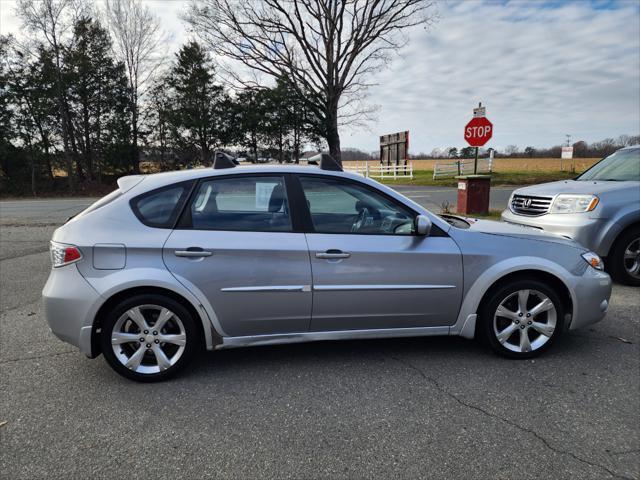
(622, 232)
(618, 225)
(529, 274)
(205, 325)
(503, 271)
(615, 263)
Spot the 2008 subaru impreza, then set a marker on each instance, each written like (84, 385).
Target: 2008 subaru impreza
(228, 257)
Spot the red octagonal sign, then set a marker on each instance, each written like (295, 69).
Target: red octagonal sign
(478, 131)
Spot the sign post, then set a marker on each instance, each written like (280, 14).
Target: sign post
(567, 154)
(473, 190)
(478, 131)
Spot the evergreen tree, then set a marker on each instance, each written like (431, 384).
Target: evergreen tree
(95, 85)
(198, 103)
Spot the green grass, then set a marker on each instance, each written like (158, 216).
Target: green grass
(492, 215)
(425, 177)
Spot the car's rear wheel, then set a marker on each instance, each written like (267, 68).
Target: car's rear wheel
(522, 319)
(149, 337)
(624, 261)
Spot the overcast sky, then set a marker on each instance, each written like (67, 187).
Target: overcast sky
(542, 68)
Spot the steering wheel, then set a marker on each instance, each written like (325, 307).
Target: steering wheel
(360, 219)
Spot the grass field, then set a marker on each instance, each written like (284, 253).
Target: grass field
(506, 171)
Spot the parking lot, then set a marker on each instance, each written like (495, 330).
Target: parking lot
(425, 407)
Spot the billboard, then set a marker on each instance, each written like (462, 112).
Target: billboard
(567, 152)
(394, 148)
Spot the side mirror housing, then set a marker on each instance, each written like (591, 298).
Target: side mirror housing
(423, 225)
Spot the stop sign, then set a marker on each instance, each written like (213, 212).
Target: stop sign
(478, 131)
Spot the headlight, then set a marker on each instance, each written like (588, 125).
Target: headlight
(594, 260)
(567, 203)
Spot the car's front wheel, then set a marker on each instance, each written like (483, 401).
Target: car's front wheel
(624, 260)
(522, 319)
(149, 337)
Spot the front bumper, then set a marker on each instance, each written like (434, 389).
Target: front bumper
(592, 292)
(68, 302)
(576, 226)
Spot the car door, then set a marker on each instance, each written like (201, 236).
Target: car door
(370, 271)
(236, 243)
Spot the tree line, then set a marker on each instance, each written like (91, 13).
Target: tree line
(87, 92)
(74, 113)
(581, 149)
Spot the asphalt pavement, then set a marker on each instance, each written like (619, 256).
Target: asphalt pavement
(402, 408)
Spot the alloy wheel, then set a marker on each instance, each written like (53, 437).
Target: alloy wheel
(148, 339)
(632, 258)
(524, 321)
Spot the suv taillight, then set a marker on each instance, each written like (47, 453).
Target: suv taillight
(63, 254)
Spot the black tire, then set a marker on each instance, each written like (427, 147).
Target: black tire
(521, 324)
(616, 262)
(181, 321)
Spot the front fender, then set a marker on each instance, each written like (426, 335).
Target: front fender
(465, 322)
(626, 217)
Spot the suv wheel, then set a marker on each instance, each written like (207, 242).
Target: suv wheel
(624, 261)
(522, 319)
(149, 338)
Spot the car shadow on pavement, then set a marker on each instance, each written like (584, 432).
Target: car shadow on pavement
(431, 352)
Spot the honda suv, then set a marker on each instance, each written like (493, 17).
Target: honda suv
(600, 209)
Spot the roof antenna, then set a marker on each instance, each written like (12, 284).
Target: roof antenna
(327, 162)
(222, 160)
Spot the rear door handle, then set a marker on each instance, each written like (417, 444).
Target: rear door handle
(333, 254)
(192, 252)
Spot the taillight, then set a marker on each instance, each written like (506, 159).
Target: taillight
(62, 254)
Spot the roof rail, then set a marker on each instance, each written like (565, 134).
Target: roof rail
(223, 160)
(327, 162)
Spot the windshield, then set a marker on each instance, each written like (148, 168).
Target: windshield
(620, 166)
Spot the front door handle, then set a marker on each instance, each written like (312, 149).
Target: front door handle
(192, 252)
(333, 254)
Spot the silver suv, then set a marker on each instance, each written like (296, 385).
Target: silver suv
(242, 256)
(600, 209)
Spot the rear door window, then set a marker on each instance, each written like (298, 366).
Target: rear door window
(252, 203)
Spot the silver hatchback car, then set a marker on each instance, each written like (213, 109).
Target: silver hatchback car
(229, 257)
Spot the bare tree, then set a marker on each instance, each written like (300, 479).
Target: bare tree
(138, 42)
(328, 49)
(511, 150)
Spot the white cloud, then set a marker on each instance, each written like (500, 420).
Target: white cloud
(541, 72)
(8, 21)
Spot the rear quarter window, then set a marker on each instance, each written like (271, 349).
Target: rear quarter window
(160, 208)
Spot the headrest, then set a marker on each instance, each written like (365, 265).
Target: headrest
(277, 199)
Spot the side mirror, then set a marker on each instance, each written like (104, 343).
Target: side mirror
(423, 225)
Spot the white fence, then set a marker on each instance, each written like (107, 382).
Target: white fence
(451, 168)
(382, 171)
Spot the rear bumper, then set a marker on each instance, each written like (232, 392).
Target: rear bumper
(68, 302)
(579, 227)
(592, 293)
